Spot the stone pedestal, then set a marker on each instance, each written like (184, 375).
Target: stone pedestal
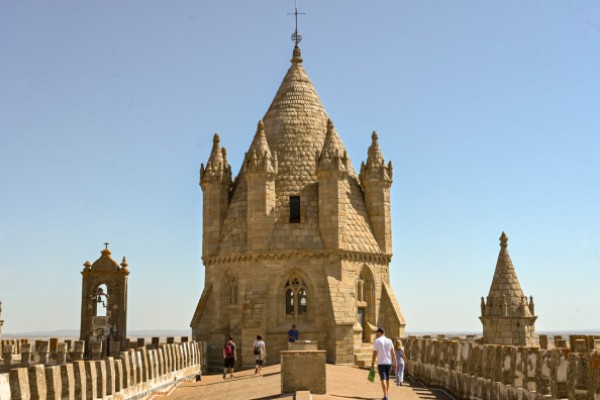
(302, 345)
(303, 370)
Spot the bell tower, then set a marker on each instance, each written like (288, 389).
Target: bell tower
(104, 303)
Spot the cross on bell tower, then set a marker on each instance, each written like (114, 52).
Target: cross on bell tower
(296, 37)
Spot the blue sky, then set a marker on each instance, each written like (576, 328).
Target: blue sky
(488, 110)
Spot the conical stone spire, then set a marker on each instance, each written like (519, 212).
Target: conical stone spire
(295, 128)
(259, 156)
(506, 296)
(333, 155)
(375, 167)
(217, 168)
(507, 315)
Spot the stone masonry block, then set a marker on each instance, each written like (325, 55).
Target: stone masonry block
(303, 370)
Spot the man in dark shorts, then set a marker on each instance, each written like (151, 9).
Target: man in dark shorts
(383, 351)
(229, 357)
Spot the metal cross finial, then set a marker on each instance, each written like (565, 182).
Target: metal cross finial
(296, 37)
(106, 245)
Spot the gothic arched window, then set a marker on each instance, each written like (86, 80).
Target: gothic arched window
(302, 301)
(296, 297)
(289, 301)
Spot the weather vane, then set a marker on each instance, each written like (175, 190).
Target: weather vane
(296, 37)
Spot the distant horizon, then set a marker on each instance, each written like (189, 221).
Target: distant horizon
(187, 332)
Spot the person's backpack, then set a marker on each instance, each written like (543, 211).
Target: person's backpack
(228, 350)
(257, 349)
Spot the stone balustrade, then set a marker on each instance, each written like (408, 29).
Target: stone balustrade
(469, 370)
(134, 374)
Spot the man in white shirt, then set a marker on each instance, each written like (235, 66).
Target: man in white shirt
(383, 351)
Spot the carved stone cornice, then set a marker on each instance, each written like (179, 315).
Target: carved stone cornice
(343, 255)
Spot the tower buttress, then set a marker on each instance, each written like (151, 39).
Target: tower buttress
(376, 179)
(215, 181)
(261, 170)
(332, 172)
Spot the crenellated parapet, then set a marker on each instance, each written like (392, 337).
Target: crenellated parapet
(134, 373)
(467, 369)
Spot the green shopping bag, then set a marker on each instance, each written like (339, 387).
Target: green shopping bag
(371, 375)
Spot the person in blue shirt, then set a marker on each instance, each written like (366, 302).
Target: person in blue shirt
(293, 334)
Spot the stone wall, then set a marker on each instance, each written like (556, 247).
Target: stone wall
(134, 374)
(469, 370)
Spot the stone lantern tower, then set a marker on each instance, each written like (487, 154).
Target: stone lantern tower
(297, 237)
(104, 303)
(507, 315)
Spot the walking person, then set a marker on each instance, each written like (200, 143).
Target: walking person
(400, 362)
(383, 352)
(229, 357)
(260, 353)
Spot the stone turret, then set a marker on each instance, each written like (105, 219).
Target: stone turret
(507, 315)
(215, 181)
(296, 243)
(376, 178)
(261, 170)
(332, 172)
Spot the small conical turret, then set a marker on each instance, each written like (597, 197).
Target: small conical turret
(507, 316)
(259, 157)
(375, 167)
(333, 155)
(376, 179)
(215, 181)
(505, 287)
(217, 168)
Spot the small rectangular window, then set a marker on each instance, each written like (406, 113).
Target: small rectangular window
(294, 209)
